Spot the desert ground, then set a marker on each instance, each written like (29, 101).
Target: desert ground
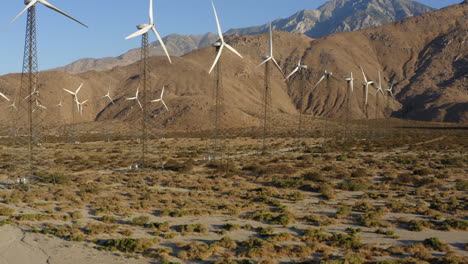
(386, 192)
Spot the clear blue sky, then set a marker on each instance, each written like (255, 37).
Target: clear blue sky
(61, 40)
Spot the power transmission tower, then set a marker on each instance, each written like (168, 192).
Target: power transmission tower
(144, 85)
(29, 115)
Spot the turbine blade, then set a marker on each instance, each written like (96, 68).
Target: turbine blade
(156, 100)
(47, 4)
(26, 8)
(140, 32)
(70, 92)
(380, 80)
(4, 96)
(277, 66)
(162, 92)
(318, 83)
(292, 73)
(217, 57)
(271, 42)
(265, 61)
(220, 32)
(139, 104)
(162, 43)
(79, 88)
(151, 13)
(363, 74)
(162, 101)
(233, 50)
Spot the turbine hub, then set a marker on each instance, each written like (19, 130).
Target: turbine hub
(142, 26)
(217, 43)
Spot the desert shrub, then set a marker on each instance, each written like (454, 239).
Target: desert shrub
(227, 242)
(315, 235)
(174, 165)
(255, 247)
(54, 178)
(76, 215)
(453, 161)
(354, 185)
(5, 222)
(193, 228)
(448, 224)
(126, 245)
(319, 220)
(416, 225)
(435, 243)
(363, 206)
(314, 176)
(196, 250)
(140, 220)
(346, 241)
(422, 172)
(372, 219)
(327, 191)
(231, 227)
(6, 211)
(109, 219)
(462, 185)
(287, 182)
(164, 226)
(343, 212)
(359, 173)
(95, 229)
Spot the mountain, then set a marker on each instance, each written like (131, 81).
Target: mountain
(426, 56)
(333, 17)
(342, 16)
(177, 45)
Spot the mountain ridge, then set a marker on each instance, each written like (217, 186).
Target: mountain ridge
(332, 17)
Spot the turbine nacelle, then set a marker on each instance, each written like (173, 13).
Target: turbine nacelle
(218, 43)
(142, 26)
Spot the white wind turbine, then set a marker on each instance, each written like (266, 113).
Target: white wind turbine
(366, 84)
(326, 74)
(75, 93)
(80, 106)
(13, 105)
(161, 99)
(350, 81)
(390, 90)
(145, 28)
(108, 96)
(297, 69)
(379, 87)
(271, 57)
(221, 39)
(135, 98)
(60, 104)
(38, 106)
(34, 92)
(30, 3)
(350, 90)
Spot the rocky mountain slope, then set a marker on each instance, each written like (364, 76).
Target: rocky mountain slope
(425, 55)
(333, 17)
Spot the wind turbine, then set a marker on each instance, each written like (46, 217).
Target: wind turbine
(217, 89)
(60, 104)
(222, 43)
(75, 93)
(365, 90)
(271, 57)
(136, 98)
(296, 69)
(30, 78)
(326, 74)
(161, 99)
(13, 105)
(38, 106)
(378, 89)
(267, 91)
(80, 106)
(145, 28)
(108, 96)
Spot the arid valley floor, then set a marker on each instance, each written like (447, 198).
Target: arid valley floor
(397, 197)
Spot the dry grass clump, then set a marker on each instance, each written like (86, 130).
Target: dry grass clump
(6, 211)
(196, 250)
(127, 245)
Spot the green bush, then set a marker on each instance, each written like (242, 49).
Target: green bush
(127, 245)
(6, 211)
(140, 220)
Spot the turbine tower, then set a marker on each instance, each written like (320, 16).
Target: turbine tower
(365, 91)
(325, 76)
(267, 92)
(349, 93)
(29, 83)
(218, 91)
(378, 89)
(299, 69)
(143, 30)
